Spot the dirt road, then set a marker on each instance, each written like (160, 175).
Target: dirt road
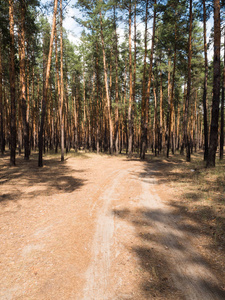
(95, 227)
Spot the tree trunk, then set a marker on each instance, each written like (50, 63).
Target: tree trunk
(84, 116)
(143, 143)
(107, 89)
(161, 129)
(97, 101)
(23, 80)
(216, 88)
(117, 89)
(172, 93)
(205, 86)
(75, 114)
(130, 125)
(12, 86)
(45, 92)
(186, 133)
(61, 86)
(147, 94)
(1, 98)
(222, 105)
(135, 62)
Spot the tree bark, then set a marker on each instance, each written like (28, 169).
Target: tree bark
(1, 99)
(61, 86)
(147, 93)
(107, 90)
(97, 102)
(45, 92)
(135, 62)
(205, 86)
(117, 89)
(216, 88)
(143, 143)
(222, 104)
(172, 93)
(186, 133)
(161, 129)
(12, 86)
(23, 80)
(130, 125)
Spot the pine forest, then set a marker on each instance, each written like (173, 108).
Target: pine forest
(112, 126)
(151, 90)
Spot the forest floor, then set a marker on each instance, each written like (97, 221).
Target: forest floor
(101, 227)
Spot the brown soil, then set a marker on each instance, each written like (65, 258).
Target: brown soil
(101, 227)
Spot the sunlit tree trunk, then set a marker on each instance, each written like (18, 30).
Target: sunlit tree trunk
(143, 143)
(155, 127)
(161, 129)
(130, 125)
(45, 92)
(61, 86)
(107, 89)
(135, 64)
(97, 102)
(172, 93)
(75, 114)
(85, 114)
(116, 88)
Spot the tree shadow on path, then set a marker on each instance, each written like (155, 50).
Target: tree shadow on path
(172, 268)
(26, 180)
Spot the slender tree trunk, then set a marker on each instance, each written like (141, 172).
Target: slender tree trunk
(27, 152)
(222, 104)
(178, 127)
(61, 86)
(186, 133)
(12, 86)
(45, 93)
(205, 85)
(107, 89)
(161, 129)
(172, 93)
(130, 125)
(155, 144)
(23, 80)
(84, 116)
(57, 80)
(135, 61)
(216, 88)
(143, 143)
(147, 94)
(116, 88)
(75, 114)
(1, 99)
(97, 102)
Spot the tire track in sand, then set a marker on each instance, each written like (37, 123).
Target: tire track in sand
(98, 272)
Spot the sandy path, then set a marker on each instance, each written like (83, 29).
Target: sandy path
(95, 228)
